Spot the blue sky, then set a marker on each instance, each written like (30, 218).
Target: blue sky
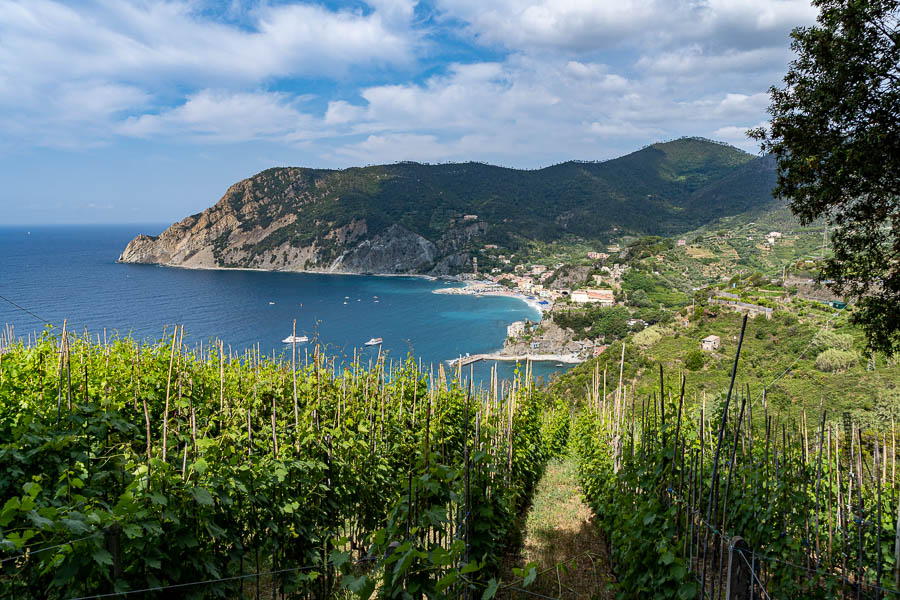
(116, 111)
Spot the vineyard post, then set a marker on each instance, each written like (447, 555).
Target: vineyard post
(878, 559)
(740, 579)
(897, 549)
(662, 406)
(147, 423)
(715, 464)
(861, 515)
(294, 374)
(737, 433)
(165, 427)
(466, 483)
(59, 374)
(68, 373)
(819, 479)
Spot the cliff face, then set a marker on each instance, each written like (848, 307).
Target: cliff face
(414, 218)
(254, 225)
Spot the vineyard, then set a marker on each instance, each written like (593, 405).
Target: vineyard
(737, 502)
(200, 473)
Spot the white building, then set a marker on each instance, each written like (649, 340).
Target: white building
(710, 343)
(515, 330)
(602, 297)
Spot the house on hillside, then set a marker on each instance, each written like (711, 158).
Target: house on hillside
(601, 297)
(515, 330)
(710, 343)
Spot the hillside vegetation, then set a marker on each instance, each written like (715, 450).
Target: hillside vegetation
(298, 218)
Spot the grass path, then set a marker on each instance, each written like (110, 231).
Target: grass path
(559, 528)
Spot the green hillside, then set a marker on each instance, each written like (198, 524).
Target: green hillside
(665, 188)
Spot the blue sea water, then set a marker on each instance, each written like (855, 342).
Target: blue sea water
(71, 273)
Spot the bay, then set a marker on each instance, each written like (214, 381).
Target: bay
(70, 272)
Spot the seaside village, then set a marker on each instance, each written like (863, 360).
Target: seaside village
(592, 299)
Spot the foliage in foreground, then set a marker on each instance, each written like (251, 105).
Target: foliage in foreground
(671, 491)
(123, 468)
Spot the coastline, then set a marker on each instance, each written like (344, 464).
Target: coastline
(305, 271)
(469, 289)
(561, 358)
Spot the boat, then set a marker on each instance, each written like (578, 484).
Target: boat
(295, 339)
(558, 365)
(374, 342)
(271, 303)
(345, 302)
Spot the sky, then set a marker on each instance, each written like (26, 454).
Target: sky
(145, 111)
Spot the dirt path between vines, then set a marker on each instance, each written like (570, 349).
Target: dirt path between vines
(560, 529)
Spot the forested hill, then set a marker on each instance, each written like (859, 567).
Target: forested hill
(411, 217)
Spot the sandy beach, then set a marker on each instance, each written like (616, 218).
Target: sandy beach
(471, 289)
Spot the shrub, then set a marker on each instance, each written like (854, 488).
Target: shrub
(832, 360)
(829, 339)
(647, 337)
(695, 360)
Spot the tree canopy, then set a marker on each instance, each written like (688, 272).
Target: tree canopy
(835, 133)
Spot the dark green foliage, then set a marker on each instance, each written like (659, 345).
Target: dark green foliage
(370, 458)
(694, 360)
(661, 189)
(835, 131)
(650, 483)
(592, 322)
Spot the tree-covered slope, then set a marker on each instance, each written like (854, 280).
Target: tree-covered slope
(263, 221)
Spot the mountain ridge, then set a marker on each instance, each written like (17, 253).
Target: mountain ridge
(416, 218)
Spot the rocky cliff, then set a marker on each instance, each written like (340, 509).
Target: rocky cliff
(254, 225)
(414, 218)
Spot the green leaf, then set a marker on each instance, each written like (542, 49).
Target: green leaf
(133, 531)
(201, 466)
(531, 574)
(362, 586)
(338, 558)
(470, 567)
(202, 496)
(492, 587)
(446, 581)
(402, 565)
(687, 591)
(102, 557)
(32, 489)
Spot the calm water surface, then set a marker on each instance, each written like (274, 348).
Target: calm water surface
(70, 272)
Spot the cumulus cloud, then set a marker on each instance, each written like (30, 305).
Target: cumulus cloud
(538, 81)
(158, 50)
(212, 115)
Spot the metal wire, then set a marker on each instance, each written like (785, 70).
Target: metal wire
(23, 309)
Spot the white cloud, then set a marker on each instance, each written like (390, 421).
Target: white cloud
(566, 79)
(589, 25)
(112, 56)
(225, 117)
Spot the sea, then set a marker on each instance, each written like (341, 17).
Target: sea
(52, 273)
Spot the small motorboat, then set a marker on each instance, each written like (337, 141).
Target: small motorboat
(271, 303)
(295, 339)
(374, 342)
